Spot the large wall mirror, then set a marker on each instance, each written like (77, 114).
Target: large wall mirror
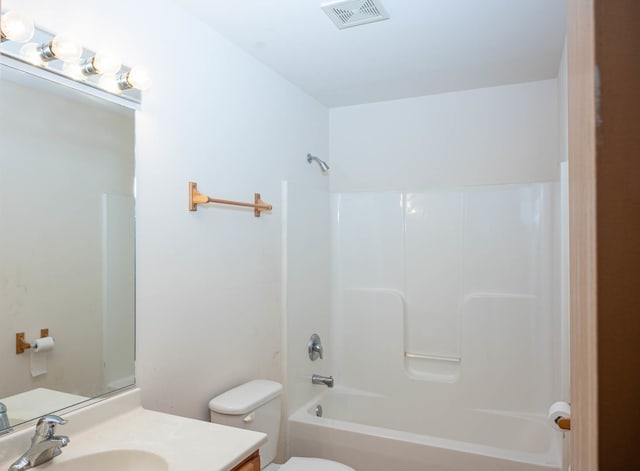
(66, 244)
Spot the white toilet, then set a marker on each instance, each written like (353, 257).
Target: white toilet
(256, 406)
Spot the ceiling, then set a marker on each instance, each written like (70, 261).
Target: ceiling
(426, 47)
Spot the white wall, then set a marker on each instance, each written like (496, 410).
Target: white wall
(506, 134)
(209, 283)
(563, 105)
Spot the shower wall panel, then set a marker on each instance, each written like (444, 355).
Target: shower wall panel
(468, 272)
(433, 269)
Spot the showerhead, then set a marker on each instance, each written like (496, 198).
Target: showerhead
(321, 163)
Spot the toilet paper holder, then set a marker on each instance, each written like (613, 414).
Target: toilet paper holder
(22, 345)
(564, 423)
(560, 416)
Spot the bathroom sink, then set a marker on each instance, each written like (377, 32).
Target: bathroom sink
(122, 460)
(118, 434)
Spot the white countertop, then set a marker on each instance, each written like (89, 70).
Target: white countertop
(120, 423)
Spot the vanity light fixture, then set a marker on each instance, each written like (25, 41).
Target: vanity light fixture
(30, 52)
(62, 55)
(104, 62)
(63, 47)
(16, 26)
(109, 83)
(73, 70)
(138, 78)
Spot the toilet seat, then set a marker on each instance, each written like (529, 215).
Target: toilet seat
(313, 464)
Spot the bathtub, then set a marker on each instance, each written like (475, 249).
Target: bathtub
(372, 433)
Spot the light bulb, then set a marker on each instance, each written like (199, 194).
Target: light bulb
(139, 78)
(16, 26)
(73, 70)
(109, 83)
(106, 62)
(65, 47)
(31, 53)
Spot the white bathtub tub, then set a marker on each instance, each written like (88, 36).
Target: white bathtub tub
(372, 433)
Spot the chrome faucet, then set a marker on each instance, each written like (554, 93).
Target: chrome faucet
(5, 426)
(45, 445)
(326, 380)
(314, 347)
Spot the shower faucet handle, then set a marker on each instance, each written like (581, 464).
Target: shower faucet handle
(315, 347)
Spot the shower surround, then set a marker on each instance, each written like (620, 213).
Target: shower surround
(443, 333)
(470, 275)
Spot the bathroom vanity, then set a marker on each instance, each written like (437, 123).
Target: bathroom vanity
(252, 463)
(119, 433)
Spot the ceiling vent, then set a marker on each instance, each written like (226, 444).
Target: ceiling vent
(346, 14)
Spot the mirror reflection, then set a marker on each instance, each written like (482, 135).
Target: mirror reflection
(66, 245)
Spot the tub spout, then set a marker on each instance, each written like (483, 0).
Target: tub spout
(326, 380)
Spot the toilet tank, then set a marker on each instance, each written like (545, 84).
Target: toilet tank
(253, 406)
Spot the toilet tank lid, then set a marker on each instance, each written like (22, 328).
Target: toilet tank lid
(246, 397)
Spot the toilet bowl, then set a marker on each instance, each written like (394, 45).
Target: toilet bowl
(256, 406)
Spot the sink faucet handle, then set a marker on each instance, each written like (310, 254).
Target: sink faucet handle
(46, 426)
